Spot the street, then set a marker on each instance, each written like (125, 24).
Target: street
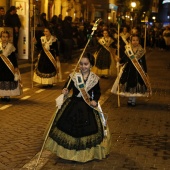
(140, 135)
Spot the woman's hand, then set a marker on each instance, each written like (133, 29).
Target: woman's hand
(117, 59)
(93, 103)
(65, 91)
(57, 58)
(34, 40)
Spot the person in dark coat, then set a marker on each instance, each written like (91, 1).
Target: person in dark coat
(67, 38)
(12, 20)
(2, 17)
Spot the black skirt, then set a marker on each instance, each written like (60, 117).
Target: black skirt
(77, 125)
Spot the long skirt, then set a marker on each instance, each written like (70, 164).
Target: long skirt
(77, 133)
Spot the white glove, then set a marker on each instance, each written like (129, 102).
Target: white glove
(59, 101)
(16, 77)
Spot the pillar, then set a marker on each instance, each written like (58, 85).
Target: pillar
(57, 7)
(23, 42)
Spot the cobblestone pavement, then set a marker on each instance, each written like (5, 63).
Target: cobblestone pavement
(140, 135)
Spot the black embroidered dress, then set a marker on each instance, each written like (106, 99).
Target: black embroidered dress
(45, 72)
(77, 132)
(8, 87)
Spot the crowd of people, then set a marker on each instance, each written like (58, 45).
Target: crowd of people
(79, 131)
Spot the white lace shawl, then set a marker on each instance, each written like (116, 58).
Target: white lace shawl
(46, 42)
(8, 49)
(90, 83)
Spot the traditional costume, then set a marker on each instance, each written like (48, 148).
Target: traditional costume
(79, 131)
(10, 81)
(132, 79)
(105, 63)
(47, 69)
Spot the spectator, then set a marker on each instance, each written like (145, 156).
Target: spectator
(67, 38)
(2, 17)
(166, 35)
(12, 20)
(43, 20)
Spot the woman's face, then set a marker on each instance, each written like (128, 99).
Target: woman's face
(47, 32)
(84, 65)
(4, 37)
(135, 41)
(105, 34)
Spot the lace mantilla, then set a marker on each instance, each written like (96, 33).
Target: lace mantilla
(8, 49)
(49, 42)
(105, 42)
(90, 83)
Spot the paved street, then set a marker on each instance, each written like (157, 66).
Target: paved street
(140, 135)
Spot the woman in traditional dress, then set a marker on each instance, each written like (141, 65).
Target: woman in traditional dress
(105, 64)
(79, 132)
(47, 69)
(10, 84)
(133, 80)
(166, 35)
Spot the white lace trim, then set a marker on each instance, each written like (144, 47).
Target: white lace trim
(107, 43)
(8, 49)
(90, 83)
(49, 42)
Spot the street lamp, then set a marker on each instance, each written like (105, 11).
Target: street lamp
(154, 18)
(133, 5)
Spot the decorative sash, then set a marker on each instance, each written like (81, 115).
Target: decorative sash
(138, 67)
(85, 95)
(107, 44)
(50, 56)
(12, 69)
(8, 64)
(4, 55)
(81, 87)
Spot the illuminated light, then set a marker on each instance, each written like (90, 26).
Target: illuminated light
(166, 1)
(109, 17)
(133, 4)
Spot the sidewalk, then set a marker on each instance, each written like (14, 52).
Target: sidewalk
(140, 135)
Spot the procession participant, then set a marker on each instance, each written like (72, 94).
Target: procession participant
(47, 69)
(10, 84)
(79, 131)
(133, 79)
(105, 64)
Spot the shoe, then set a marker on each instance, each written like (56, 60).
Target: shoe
(50, 85)
(133, 104)
(7, 99)
(2, 99)
(104, 77)
(129, 103)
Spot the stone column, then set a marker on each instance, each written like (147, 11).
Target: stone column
(44, 7)
(57, 7)
(23, 41)
(77, 9)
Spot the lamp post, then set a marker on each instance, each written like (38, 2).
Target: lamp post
(154, 19)
(133, 5)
